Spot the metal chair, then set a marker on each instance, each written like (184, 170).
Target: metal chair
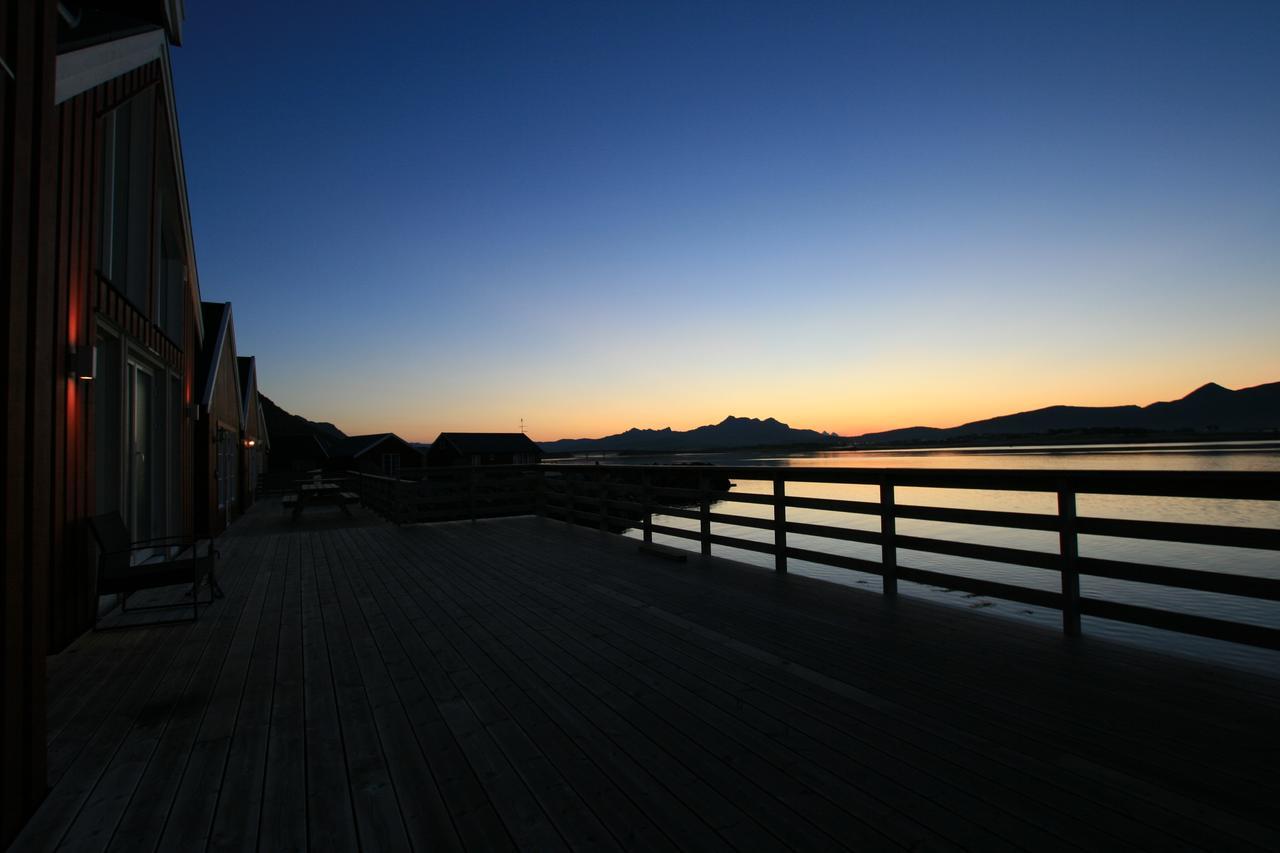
(183, 560)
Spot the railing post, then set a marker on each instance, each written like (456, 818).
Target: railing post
(471, 491)
(646, 504)
(780, 525)
(1069, 548)
(571, 498)
(704, 513)
(601, 490)
(888, 540)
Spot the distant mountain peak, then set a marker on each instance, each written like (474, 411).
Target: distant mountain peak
(732, 432)
(1209, 408)
(1207, 389)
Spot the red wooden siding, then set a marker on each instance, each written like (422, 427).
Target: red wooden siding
(53, 297)
(85, 297)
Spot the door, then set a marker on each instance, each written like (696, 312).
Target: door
(142, 456)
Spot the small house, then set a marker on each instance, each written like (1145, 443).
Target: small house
(220, 424)
(254, 441)
(483, 448)
(383, 453)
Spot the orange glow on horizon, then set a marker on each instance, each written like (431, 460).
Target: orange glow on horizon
(875, 404)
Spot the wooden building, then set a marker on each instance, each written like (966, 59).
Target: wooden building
(382, 453)
(483, 448)
(255, 443)
(292, 456)
(218, 443)
(99, 334)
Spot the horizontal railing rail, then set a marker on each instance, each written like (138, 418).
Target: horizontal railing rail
(615, 497)
(450, 494)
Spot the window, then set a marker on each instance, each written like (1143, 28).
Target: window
(108, 401)
(228, 468)
(125, 246)
(171, 272)
(391, 464)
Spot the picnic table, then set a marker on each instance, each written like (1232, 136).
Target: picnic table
(319, 492)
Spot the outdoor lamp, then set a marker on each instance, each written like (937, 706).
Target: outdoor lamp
(82, 363)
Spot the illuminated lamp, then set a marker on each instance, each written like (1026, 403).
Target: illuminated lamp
(249, 442)
(82, 363)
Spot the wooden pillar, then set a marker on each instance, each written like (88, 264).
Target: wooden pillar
(31, 388)
(602, 491)
(646, 501)
(888, 540)
(780, 525)
(471, 492)
(704, 513)
(1069, 550)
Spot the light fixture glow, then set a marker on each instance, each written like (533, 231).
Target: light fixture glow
(82, 363)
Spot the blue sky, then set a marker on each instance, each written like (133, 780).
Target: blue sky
(848, 216)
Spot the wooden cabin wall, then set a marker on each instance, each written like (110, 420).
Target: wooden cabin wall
(206, 484)
(82, 297)
(224, 414)
(29, 388)
(250, 455)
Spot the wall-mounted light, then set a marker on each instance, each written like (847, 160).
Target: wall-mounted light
(249, 442)
(82, 363)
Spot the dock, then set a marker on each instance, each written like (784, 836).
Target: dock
(523, 683)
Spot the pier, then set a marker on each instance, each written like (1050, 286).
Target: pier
(525, 683)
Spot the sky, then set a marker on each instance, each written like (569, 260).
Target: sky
(849, 216)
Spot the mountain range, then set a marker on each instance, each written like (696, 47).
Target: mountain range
(1210, 407)
(732, 432)
(280, 422)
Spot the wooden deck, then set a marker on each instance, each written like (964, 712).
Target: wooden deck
(523, 684)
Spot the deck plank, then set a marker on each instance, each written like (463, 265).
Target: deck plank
(636, 628)
(330, 814)
(379, 823)
(523, 683)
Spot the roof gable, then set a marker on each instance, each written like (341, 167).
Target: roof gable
(247, 370)
(218, 314)
(354, 446)
(468, 443)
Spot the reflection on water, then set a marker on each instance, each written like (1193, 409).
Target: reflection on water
(1237, 456)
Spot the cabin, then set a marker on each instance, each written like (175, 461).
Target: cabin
(383, 453)
(292, 455)
(255, 443)
(102, 329)
(220, 424)
(483, 448)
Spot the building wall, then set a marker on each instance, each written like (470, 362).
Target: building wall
(222, 419)
(53, 301)
(84, 299)
(30, 389)
(252, 458)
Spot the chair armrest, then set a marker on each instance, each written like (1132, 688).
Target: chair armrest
(158, 540)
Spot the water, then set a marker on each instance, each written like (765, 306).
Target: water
(1233, 456)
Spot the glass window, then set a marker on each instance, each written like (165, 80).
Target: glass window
(107, 414)
(391, 464)
(125, 245)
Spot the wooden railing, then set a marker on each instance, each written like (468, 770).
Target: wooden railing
(618, 496)
(449, 494)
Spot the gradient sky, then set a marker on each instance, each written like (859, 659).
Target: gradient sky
(848, 216)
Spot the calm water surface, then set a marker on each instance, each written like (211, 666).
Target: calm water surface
(1239, 456)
